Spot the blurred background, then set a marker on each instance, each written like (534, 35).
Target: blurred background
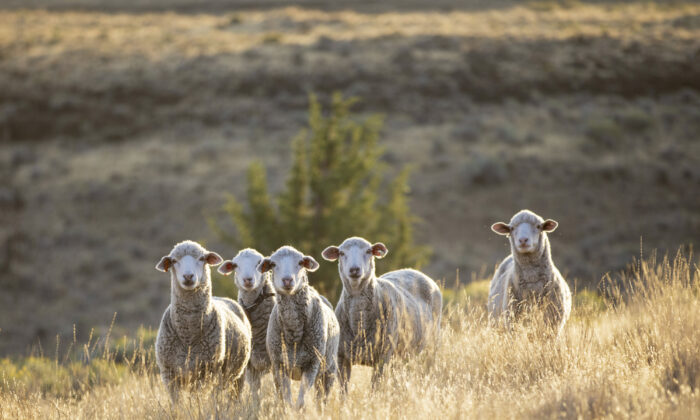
(125, 127)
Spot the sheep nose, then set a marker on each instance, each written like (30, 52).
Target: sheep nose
(287, 282)
(189, 279)
(523, 241)
(248, 280)
(354, 271)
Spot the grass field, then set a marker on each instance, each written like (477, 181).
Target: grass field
(632, 355)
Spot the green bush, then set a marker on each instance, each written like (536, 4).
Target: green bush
(337, 187)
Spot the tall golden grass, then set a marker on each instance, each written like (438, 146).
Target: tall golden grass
(637, 357)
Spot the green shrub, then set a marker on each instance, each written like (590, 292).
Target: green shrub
(337, 187)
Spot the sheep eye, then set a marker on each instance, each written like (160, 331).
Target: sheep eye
(272, 264)
(342, 254)
(201, 258)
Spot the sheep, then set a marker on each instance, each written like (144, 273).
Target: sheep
(395, 314)
(257, 297)
(303, 333)
(199, 334)
(528, 276)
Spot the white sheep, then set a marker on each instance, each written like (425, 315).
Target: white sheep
(199, 335)
(380, 317)
(528, 276)
(303, 333)
(257, 297)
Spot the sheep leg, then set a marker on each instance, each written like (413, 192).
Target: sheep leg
(253, 379)
(323, 385)
(174, 391)
(318, 387)
(171, 383)
(282, 383)
(377, 373)
(238, 386)
(345, 367)
(308, 378)
(509, 308)
(555, 310)
(378, 370)
(328, 381)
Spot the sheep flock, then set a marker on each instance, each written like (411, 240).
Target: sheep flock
(283, 326)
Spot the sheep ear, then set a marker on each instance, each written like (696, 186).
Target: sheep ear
(379, 250)
(501, 228)
(227, 267)
(331, 253)
(549, 225)
(265, 265)
(309, 263)
(164, 264)
(213, 258)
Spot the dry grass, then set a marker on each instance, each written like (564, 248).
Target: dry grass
(637, 358)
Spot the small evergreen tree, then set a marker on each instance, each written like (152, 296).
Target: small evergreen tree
(337, 187)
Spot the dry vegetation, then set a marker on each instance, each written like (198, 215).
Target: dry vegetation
(636, 356)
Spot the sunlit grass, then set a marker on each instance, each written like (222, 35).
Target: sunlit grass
(630, 356)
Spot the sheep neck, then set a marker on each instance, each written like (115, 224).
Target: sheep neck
(366, 287)
(191, 310)
(292, 313)
(362, 307)
(533, 270)
(248, 298)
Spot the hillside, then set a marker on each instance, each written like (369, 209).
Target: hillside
(123, 126)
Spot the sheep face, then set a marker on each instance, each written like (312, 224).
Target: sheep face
(245, 269)
(355, 258)
(289, 268)
(525, 231)
(189, 269)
